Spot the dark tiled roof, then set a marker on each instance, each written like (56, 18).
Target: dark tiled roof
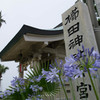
(27, 29)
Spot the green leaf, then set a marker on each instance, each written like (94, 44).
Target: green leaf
(49, 89)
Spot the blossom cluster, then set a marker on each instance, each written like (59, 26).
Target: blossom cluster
(17, 81)
(85, 61)
(36, 97)
(35, 88)
(71, 70)
(89, 59)
(18, 85)
(52, 75)
(68, 70)
(74, 67)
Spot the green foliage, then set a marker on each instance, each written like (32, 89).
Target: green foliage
(2, 69)
(15, 96)
(84, 1)
(99, 21)
(49, 88)
(95, 8)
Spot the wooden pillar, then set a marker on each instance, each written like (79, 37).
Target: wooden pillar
(21, 71)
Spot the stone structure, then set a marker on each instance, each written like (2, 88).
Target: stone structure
(30, 45)
(78, 31)
(97, 1)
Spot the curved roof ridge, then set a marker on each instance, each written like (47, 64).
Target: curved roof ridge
(33, 30)
(28, 29)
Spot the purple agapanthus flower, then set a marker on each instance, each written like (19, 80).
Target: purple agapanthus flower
(34, 97)
(17, 81)
(18, 85)
(36, 88)
(14, 82)
(31, 80)
(52, 75)
(39, 99)
(71, 70)
(69, 61)
(89, 59)
(60, 65)
(6, 93)
(44, 73)
(39, 78)
(1, 96)
(97, 63)
(95, 54)
(28, 99)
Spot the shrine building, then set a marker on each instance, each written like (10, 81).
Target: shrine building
(31, 46)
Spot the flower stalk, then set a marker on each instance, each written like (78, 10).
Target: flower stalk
(72, 88)
(92, 84)
(63, 88)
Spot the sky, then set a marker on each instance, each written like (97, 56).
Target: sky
(43, 14)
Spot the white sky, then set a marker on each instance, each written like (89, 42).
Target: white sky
(43, 14)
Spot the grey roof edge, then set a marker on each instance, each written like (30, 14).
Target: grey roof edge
(28, 29)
